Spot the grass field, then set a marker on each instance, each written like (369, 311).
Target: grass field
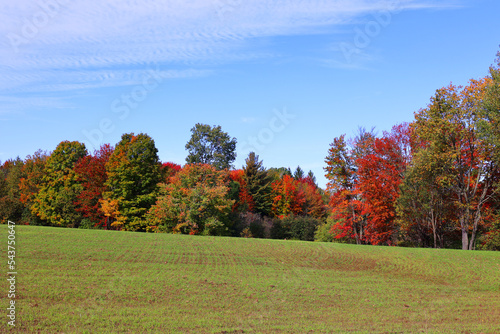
(88, 281)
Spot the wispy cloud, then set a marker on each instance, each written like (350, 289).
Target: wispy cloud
(248, 119)
(63, 45)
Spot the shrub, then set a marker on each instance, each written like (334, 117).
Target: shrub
(252, 225)
(323, 234)
(88, 224)
(295, 227)
(490, 241)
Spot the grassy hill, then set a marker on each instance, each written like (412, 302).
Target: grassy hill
(88, 281)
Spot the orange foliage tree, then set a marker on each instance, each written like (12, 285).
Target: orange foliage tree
(195, 201)
(288, 197)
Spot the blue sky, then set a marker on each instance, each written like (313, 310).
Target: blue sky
(283, 77)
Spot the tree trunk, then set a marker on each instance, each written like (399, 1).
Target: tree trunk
(433, 224)
(477, 218)
(465, 237)
(357, 236)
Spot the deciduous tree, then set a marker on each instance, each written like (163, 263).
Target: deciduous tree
(30, 184)
(11, 207)
(449, 127)
(133, 171)
(379, 175)
(169, 169)
(91, 174)
(346, 205)
(211, 145)
(288, 197)
(245, 200)
(55, 200)
(194, 202)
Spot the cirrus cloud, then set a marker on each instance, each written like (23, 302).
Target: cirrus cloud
(62, 45)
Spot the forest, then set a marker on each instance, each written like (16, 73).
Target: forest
(431, 182)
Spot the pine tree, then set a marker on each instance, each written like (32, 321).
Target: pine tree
(311, 176)
(258, 183)
(299, 173)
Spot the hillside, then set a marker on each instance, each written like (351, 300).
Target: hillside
(92, 281)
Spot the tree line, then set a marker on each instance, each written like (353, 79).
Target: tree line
(429, 183)
(127, 187)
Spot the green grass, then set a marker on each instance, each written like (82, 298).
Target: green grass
(88, 281)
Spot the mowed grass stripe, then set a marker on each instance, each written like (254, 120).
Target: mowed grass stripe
(87, 281)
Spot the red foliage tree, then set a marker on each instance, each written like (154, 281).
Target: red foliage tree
(245, 200)
(288, 197)
(314, 204)
(379, 176)
(345, 202)
(364, 184)
(91, 174)
(169, 169)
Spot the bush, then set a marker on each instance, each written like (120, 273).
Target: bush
(215, 227)
(490, 241)
(323, 234)
(295, 227)
(252, 225)
(88, 224)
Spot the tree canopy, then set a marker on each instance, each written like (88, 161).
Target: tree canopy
(211, 145)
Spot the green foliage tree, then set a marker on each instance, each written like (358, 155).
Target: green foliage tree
(449, 130)
(276, 174)
(425, 208)
(211, 145)
(258, 183)
(323, 233)
(196, 201)
(55, 200)
(489, 126)
(133, 171)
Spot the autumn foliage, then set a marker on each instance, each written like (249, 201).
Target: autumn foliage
(433, 182)
(245, 200)
(195, 201)
(91, 174)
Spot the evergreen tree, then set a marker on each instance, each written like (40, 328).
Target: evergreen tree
(258, 183)
(299, 173)
(311, 177)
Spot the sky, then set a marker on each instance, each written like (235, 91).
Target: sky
(282, 77)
